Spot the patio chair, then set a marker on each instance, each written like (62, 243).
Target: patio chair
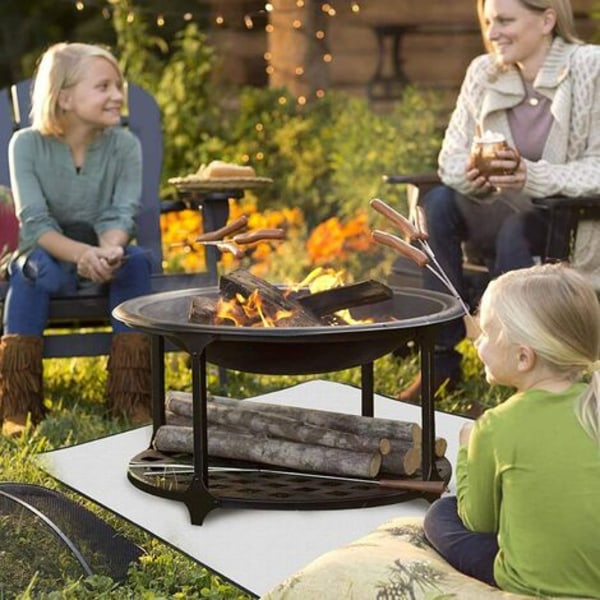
(564, 217)
(78, 324)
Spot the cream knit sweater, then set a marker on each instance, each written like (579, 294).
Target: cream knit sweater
(570, 163)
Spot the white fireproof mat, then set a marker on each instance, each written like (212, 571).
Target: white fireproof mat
(254, 549)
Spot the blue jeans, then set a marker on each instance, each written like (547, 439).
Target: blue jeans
(507, 241)
(34, 281)
(467, 551)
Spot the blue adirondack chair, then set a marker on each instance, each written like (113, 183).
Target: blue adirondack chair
(88, 309)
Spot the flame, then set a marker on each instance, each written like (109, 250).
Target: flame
(252, 311)
(248, 312)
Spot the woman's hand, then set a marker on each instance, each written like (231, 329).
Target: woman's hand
(478, 182)
(510, 161)
(100, 264)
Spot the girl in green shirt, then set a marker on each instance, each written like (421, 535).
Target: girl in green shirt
(526, 516)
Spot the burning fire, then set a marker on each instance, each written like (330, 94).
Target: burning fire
(247, 312)
(252, 311)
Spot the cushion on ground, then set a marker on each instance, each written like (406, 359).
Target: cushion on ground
(393, 561)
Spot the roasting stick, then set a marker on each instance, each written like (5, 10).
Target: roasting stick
(419, 257)
(233, 244)
(414, 233)
(417, 485)
(422, 257)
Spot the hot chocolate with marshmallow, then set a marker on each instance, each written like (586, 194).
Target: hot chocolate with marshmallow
(484, 151)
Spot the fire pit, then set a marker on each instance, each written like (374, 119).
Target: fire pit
(408, 314)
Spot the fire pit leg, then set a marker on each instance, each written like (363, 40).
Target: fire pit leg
(197, 498)
(366, 375)
(428, 466)
(157, 364)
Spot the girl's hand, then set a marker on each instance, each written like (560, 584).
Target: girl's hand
(511, 162)
(465, 434)
(99, 264)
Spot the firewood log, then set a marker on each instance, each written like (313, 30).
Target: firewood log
(180, 403)
(402, 460)
(226, 443)
(280, 426)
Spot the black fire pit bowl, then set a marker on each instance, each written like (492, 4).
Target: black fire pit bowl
(286, 350)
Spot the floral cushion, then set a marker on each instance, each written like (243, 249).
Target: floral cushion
(392, 562)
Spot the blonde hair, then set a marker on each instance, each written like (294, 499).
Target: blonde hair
(554, 310)
(60, 68)
(565, 21)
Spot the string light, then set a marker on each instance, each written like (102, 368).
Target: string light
(299, 75)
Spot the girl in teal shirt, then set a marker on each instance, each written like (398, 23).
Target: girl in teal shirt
(526, 516)
(76, 177)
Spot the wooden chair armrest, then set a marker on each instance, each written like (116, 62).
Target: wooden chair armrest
(414, 178)
(169, 206)
(554, 202)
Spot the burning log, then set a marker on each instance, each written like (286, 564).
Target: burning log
(253, 301)
(181, 403)
(231, 444)
(202, 309)
(348, 296)
(273, 301)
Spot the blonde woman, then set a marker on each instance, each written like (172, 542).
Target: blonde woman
(76, 179)
(526, 513)
(539, 87)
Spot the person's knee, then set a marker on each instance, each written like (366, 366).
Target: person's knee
(137, 269)
(441, 211)
(437, 516)
(44, 271)
(512, 230)
(438, 200)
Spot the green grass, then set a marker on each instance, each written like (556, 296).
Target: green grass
(74, 394)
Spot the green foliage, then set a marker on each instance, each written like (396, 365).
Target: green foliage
(139, 51)
(365, 145)
(326, 157)
(329, 157)
(184, 94)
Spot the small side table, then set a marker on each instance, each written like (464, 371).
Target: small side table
(390, 78)
(211, 196)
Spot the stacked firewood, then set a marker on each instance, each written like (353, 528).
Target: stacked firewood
(296, 438)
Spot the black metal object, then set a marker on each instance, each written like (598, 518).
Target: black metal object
(410, 314)
(275, 490)
(47, 538)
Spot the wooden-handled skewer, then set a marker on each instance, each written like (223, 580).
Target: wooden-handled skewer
(218, 234)
(410, 231)
(393, 241)
(259, 235)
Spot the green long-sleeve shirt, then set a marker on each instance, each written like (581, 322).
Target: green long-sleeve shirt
(532, 474)
(50, 192)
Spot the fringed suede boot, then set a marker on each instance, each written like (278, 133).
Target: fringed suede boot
(21, 382)
(129, 377)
